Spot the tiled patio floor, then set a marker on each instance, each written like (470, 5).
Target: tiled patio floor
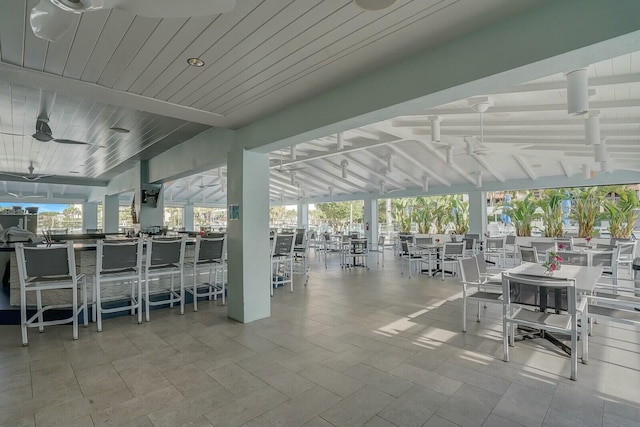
(354, 347)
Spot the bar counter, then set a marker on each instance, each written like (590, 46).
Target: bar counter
(85, 264)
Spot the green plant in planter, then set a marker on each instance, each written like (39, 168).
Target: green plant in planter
(585, 208)
(550, 205)
(460, 214)
(442, 213)
(623, 214)
(522, 213)
(402, 214)
(423, 214)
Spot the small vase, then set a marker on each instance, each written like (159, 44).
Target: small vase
(548, 272)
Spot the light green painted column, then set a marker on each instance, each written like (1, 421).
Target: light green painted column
(89, 216)
(248, 236)
(188, 219)
(478, 212)
(371, 218)
(303, 215)
(151, 212)
(110, 214)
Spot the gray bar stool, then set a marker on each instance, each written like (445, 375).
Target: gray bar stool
(209, 257)
(165, 258)
(118, 261)
(50, 269)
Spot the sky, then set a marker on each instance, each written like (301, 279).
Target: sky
(44, 207)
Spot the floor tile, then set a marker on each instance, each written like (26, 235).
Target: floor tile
(469, 406)
(302, 408)
(383, 381)
(334, 381)
(358, 408)
(414, 407)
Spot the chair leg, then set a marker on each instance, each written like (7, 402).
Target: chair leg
(574, 351)
(181, 291)
(139, 299)
(146, 298)
(585, 337)
(39, 306)
(74, 300)
(23, 315)
(464, 309)
(98, 306)
(195, 289)
(84, 302)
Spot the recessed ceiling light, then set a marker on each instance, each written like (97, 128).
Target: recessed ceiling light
(537, 165)
(119, 130)
(374, 4)
(74, 172)
(195, 62)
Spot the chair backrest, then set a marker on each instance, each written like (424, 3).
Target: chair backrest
(474, 236)
(407, 237)
(574, 258)
(563, 243)
(165, 251)
(453, 249)
(469, 270)
(283, 245)
(469, 244)
(494, 243)
(542, 246)
(50, 261)
(539, 292)
(605, 247)
(404, 246)
(528, 254)
(627, 250)
(301, 234)
(510, 240)
(209, 249)
(604, 258)
(481, 262)
(113, 255)
(381, 241)
(617, 240)
(424, 241)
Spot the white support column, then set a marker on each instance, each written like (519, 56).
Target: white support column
(89, 216)
(188, 219)
(248, 236)
(110, 214)
(371, 218)
(478, 212)
(303, 215)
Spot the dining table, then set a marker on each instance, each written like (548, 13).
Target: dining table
(585, 279)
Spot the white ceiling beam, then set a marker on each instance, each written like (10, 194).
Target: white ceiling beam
(520, 122)
(595, 82)
(351, 174)
(493, 171)
(601, 105)
(525, 167)
(541, 133)
(565, 168)
(374, 172)
(422, 167)
(331, 153)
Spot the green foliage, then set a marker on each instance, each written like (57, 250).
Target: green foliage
(337, 214)
(402, 213)
(585, 208)
(623, 214)
(423, 214)
(522, 213)
(442, 213)
(550, 205)
(460, 214)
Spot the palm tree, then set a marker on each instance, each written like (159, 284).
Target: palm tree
(585, 208)
(623, 214)
(551, 206)
(460, 214)
(522, 213)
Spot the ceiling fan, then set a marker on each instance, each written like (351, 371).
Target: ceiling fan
(19, 196)
(50, 19)
(203, 185)
(44, 134)
(31, 177)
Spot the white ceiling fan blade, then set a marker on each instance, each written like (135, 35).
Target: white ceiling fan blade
(14, 195)
(49, 22)
(172, 8)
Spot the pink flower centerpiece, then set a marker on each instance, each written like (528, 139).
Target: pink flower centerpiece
(554, 262)
(437, 240)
